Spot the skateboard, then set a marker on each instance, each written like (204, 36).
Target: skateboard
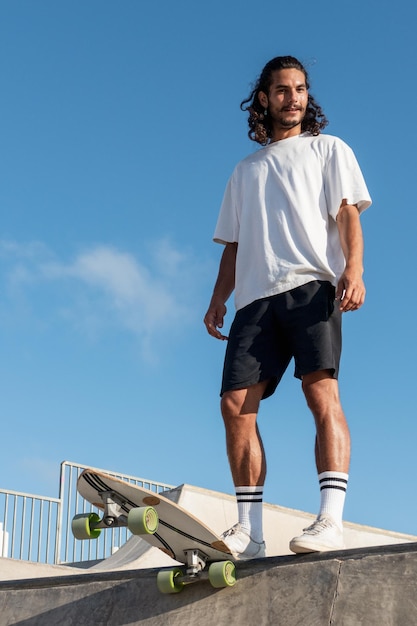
(161, 523)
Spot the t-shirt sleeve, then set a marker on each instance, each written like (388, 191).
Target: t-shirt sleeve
(227, 228)
(344, 179)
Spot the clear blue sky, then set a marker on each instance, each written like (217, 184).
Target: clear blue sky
(120, 125)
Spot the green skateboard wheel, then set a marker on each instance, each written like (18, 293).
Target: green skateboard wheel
(143, 520)
(83, 526)
(168, 581)
(222, 574)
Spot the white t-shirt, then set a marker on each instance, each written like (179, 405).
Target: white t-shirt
(280, 206)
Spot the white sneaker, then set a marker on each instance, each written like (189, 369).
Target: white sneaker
(241, 545)
(323, 534)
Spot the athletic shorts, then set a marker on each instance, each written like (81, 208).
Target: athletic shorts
(304, 323)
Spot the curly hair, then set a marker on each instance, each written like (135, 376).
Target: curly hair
(260, 125)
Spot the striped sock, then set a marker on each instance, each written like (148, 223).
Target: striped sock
(249, 506)
(333, 487)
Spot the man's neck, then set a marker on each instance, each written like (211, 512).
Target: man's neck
(284, 133)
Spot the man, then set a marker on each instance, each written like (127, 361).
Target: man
(294, 257)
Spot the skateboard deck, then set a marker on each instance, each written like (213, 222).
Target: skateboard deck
(161, 523)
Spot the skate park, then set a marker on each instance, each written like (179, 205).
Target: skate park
(371, 582)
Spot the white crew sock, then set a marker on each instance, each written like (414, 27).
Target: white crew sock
(249, 506)
(333, 487)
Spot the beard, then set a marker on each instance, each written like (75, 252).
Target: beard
(290, 122)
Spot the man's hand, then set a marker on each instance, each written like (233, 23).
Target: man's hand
(350, 291)
(214, 319)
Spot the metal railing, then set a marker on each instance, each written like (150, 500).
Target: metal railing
(36, 528)
(29, 526)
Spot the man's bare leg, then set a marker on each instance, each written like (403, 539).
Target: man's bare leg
(248, 467)
(333, 438)
(244, 444)
(332, 451)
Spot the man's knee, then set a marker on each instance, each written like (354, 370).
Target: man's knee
(321, 391)
(242, 402)
(231, 403)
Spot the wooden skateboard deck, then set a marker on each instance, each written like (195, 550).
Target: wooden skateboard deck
(173, 530)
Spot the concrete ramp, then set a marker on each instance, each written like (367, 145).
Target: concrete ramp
(360, 587)
(134, 554)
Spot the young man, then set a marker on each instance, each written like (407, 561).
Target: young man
(293, 255)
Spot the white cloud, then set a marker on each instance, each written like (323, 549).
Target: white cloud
(16, 250)
(105, 286)
(168, 259)
(141, 298)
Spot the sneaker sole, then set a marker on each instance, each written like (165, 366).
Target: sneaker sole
(239, 556)
(305, 547)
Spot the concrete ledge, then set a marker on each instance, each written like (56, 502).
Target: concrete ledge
(366, 586)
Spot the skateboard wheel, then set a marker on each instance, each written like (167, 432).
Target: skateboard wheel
(83, 526)
(168, 581)
(143, 520)
(222, 574)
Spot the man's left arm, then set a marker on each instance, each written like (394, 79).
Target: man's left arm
(351, 288)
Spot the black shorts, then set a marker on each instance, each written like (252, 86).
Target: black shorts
(304, 323)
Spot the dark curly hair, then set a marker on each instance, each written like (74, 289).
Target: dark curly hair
(260, 126)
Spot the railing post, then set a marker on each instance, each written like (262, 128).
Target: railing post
(58, 535)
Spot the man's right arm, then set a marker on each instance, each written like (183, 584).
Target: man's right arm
(224, 286)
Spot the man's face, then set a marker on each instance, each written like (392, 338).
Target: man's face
(287, 98)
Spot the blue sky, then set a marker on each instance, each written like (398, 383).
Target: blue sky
(120, 125)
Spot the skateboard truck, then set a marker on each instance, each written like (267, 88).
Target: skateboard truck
(113, 513)
(196, 562)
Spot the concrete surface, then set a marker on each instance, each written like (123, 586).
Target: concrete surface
(360, 587)
(371, 583)
(13, 569)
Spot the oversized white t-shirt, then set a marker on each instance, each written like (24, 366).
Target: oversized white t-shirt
(280, 206)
